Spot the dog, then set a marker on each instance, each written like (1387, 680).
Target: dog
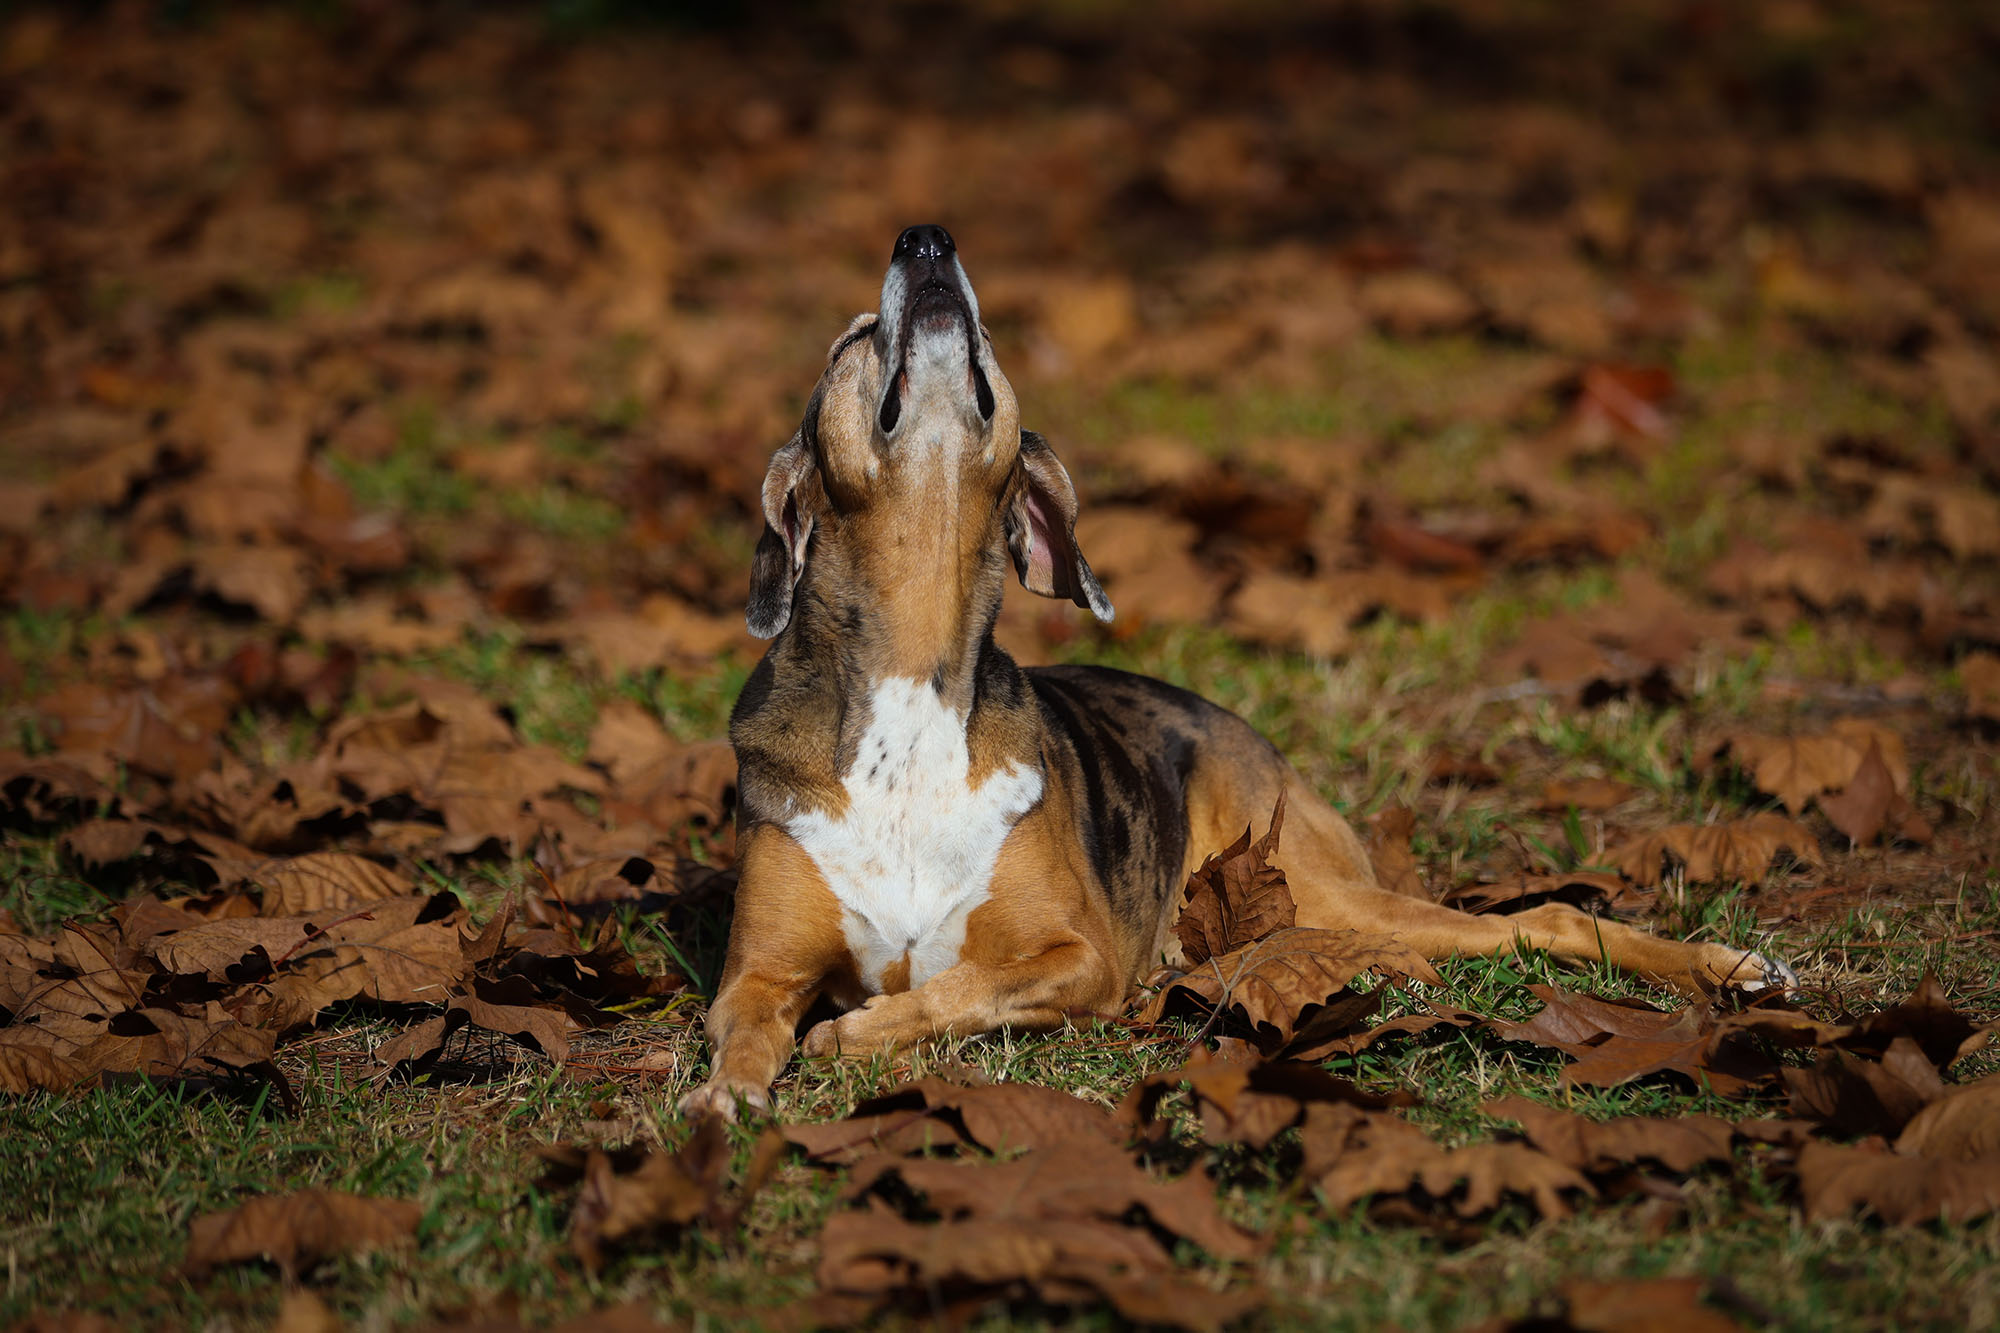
(942, 842)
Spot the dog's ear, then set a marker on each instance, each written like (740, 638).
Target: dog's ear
(1041, 529)
(790, 502)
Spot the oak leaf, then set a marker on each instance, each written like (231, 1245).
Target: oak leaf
(659, 1189)
(1795, 769)
(1852, 1095)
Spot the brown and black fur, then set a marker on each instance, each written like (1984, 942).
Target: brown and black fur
(892, 519)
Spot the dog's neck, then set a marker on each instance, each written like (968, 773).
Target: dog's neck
(889, 601)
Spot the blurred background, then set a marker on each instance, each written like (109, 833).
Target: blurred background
(1495, 350)
(1571, 432)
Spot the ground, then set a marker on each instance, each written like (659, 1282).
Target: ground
(1476, 399)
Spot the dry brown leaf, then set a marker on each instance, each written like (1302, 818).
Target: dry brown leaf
(1388, 840)
(661, 1190)
(1851, 1095)
(1279, 983)
(1063, 1262)
(1795, 769)
(1962, 1124)
(1235, 896)
(1353, 1155)
(508, 1007)
(1601, 1146)
(1869, 805)
(1245, 1100)
(1412, 302)
(296, 1231)
(1286, 611)
(1836, 1181)
(1064, 1182)
(931, 1113)
(324, 883)
(31, 1060)
(1644, 1305)
(1613, 1042)
(1742, 850)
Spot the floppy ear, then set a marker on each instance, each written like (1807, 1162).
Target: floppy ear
(781, 551)
(1041, 530)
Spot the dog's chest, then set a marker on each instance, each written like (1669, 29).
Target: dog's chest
(913, 853)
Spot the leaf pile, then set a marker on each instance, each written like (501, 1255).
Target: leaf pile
(206, 989)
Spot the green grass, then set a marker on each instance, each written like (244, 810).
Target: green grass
(96, 1211)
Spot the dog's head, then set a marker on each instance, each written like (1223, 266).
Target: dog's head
(913, 435)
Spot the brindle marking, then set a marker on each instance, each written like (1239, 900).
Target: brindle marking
(1041, 880)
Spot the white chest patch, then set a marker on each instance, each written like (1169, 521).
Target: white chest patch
(913, 853)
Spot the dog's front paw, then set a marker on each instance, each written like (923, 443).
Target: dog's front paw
(727, 1098)
(869, 1030)
(1750, 973)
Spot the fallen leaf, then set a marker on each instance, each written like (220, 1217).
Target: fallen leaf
(1870, 804)
(1795, 769)
(1836, 1181)
(1063, 1182)
(1061, 1262)
(1351, 1156)
(1278, 984)
(296, 1231)
(324, 882)
(1741, 850)
(931, 1113)
(1599, 1146)
(509, 1007)
(1245, 1101)
(1979, 677)
(1235, 896)
(1962, 1124)
(1643, 1305)
(661, 1190)
(1613, 1042)
(1388, 840)
(1852, 1095)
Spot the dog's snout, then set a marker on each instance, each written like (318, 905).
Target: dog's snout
(928, 241)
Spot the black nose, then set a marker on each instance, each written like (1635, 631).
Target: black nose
(926, 242)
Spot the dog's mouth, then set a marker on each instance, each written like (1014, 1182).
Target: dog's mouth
(933, 303)
(928, 308)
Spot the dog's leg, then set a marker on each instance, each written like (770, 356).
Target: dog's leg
(783, 945)
(1033, 993)
(1036, 952)
(1317, 852)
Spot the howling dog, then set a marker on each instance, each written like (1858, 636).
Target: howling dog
(943, 843)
